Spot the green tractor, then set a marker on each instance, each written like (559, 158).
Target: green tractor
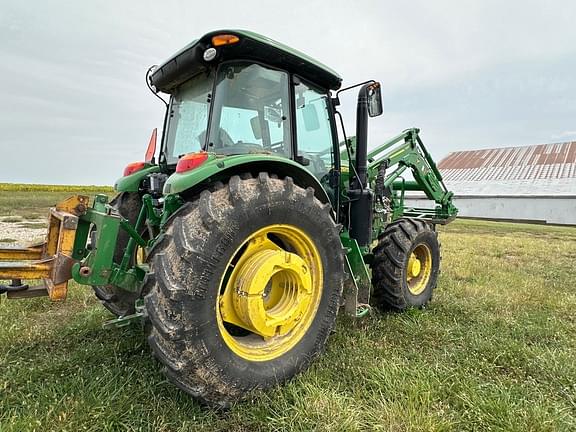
(239, 244)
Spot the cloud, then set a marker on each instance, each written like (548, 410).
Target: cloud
(563, 135)
(470, 73)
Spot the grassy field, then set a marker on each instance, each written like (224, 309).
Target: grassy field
(495, 350)
(31, 201)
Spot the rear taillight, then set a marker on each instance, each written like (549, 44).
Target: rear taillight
(190, 161)
(133, 167)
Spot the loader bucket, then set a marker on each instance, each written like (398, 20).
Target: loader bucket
(49, 262)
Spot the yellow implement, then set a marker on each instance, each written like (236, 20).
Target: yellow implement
(50, 261)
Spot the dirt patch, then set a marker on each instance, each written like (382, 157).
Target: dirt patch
(15, 234)
(12, 219)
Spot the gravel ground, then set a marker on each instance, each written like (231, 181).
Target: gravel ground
(22, 234)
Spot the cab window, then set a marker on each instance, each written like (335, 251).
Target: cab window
(188, 117)
(251, 111)
(313, 131)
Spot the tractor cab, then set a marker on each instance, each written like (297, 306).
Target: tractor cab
(236, 93)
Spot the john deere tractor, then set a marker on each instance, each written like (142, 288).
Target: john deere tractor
(254, 224)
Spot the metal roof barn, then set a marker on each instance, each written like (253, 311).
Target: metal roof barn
(531, 183)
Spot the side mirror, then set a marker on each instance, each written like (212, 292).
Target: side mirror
(374, 100)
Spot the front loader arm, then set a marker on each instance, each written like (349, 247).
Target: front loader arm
(407, 151)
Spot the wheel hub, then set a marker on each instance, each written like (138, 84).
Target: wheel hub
(272, 292)
(418, 269)
(414, 266)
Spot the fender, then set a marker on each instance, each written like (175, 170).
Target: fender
(221, 168)
(131, 183)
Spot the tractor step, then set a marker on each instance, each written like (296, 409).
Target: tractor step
(127, 320)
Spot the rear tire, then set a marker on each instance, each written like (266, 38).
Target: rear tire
(406, 265)
(192, 266)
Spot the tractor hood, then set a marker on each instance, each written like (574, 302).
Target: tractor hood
(190, 60)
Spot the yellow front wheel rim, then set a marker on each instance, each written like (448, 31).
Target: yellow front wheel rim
(419, 269)
(270, 292)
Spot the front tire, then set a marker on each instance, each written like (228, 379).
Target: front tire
(406, 265)
(244, 287)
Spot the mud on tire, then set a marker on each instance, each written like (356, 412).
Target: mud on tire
(184, 285)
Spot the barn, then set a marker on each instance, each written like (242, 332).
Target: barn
(530, 184)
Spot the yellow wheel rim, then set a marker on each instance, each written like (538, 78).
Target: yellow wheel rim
(270, 292)
(419, 269)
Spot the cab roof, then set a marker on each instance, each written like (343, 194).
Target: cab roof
(251, 46)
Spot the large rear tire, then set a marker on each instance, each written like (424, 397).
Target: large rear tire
(244, 288)
(406, 265)
(116, 300)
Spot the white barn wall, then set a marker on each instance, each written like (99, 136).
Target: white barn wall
(534, 183)
(542, 209)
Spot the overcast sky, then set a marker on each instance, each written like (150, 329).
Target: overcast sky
(471, 74)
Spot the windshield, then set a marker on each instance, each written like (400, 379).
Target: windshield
(188, 120)
(250, 113)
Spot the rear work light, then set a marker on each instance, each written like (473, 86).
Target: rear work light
(133, 167)
(224, 39)
(191, 161)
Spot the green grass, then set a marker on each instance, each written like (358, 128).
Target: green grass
(28, 201)
(495, 350)
(31, 187)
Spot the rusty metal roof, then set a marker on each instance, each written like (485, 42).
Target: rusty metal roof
(548, 169)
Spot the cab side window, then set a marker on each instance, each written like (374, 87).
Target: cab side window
(313, 132)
